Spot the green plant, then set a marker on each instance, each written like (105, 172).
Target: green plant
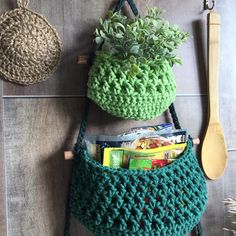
(145, 38)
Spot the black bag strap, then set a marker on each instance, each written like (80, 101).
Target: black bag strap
(174, 116)
(83, 126)
(131, 3)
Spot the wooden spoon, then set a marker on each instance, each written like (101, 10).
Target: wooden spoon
(214, 154)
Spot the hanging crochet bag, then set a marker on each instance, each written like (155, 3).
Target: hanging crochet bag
(131, 76)
(120, 202)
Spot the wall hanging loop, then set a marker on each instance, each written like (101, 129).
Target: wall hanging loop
(206, 5)
(22, 3)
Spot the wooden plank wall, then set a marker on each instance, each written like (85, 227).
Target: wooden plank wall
(2, 170)
(41, 121)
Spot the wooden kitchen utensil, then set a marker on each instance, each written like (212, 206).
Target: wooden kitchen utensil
(214, 153)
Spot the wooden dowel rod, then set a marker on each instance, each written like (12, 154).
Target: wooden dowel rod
(69, 155)
(196, 141)
(82, 59)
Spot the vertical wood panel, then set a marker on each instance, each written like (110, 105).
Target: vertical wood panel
(38, 131)
(36, 174)
(227, 82)
(76, 22)
(2, 171)
(229, 189)
(215, 217)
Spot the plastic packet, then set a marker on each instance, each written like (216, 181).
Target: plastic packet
(166, 127)
(176, 136)
(160, 127)
(164, 139)
(145, 164)
(96, 143)
(125, 154)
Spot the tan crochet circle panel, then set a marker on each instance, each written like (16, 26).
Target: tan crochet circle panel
(30, 48)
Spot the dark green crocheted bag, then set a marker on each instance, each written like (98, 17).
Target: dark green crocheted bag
(120, 202)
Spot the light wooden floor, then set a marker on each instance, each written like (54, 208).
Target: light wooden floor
(39, 122)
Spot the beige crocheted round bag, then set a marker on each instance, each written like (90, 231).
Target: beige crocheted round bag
(30, 48)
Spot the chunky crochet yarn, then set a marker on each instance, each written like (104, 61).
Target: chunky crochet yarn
(30, 49)
(120, 202)
(142, 95)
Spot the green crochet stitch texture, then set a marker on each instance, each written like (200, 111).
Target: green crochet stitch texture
(139, 91)
(120, 202)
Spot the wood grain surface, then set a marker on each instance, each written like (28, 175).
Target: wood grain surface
(216, 217)
(36, 173)
(37, 131)
(76, 22)
(2, 172)
(37, 176)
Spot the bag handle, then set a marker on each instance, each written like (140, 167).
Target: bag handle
(83, 126)
(174, 116)
(131, 3)
(22, 3)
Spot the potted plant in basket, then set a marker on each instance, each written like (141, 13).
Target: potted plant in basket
(132, 76)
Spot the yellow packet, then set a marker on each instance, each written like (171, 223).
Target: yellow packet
(118, 157)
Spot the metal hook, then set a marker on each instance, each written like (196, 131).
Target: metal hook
(206, 5)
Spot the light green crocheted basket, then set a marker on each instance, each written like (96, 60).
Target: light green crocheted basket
(140, 96)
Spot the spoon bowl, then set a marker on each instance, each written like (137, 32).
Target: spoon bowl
(214, 149)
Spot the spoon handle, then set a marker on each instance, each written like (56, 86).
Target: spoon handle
(213, 22)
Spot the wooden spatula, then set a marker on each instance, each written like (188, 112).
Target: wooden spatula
(214, 153)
